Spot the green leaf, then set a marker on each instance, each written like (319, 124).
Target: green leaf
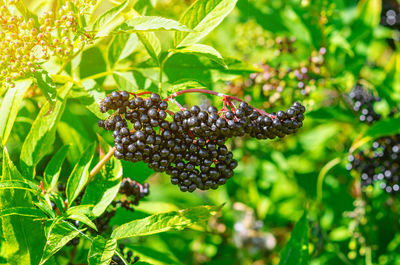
(53, 168)
(384, 127)
(92, 63)
(80, 209)
(126, 81)
(121, 47)
(149, 23)
(79, 176)
(10, 107)
(22, 211)
(21, 184)
(164, 222)
(60, 233)
(42, 134)
(109, 19)
(93, 95)
(369, 12)
(104, 187)
(46, 85)
(77, 141)
(151, 43)
(379, 129)
(184, 84)
(101, 251)
(83, 219)
(296, 249)
(204, 50)
(22, 238)
(202, 17)
(44, 207)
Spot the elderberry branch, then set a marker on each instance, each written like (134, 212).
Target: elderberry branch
(102, 162)
(205, 91)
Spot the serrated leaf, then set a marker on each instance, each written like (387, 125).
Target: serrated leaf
(104, 187)
(42, 134)
(22, 237)
(151, 43)
(53, 168)
(60, 233)
(46, 85)
(121, 47)
(151, 23)
(203, 50)
(202, 17)
(10, 107)
(109, 19)
(164, 222)
(21, 184)
(22, 211)
(101, 251)
(79, 176)
(296, 249)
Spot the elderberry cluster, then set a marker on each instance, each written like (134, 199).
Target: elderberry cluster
(131, 188)
(381, 164)
(190, 145)
(362, 103)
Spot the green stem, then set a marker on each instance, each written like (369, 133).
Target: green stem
(322, 175)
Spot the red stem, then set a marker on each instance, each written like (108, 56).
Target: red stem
(204, 91)
(143, 93)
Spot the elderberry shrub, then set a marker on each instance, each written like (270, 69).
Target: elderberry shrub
(362, 104)
(381, 164)
(189, 145)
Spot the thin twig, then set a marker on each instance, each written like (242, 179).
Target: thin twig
(102, 162)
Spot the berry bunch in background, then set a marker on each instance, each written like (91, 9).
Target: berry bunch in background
(390, 16)
(133, 192)
(27, 43)
(362, 103)
(189, 145)
(128, 256)
(285, 44)
(274, 80)
(380, 163)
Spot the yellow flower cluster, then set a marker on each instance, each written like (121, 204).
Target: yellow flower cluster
(25, 43)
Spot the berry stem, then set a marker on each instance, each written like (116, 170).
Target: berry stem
(143, 93)
(102, 162)
(205, 91)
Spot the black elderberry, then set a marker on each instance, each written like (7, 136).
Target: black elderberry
(190, 147)
(362, 103)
